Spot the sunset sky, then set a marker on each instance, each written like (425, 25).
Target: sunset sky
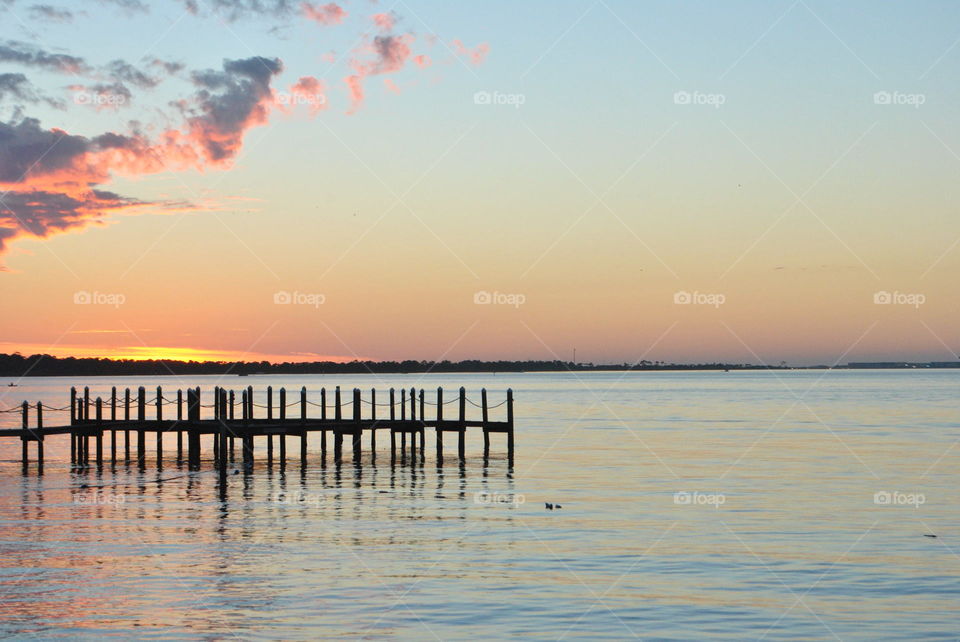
(682, 181)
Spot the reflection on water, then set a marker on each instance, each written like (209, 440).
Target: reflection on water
(694, 505)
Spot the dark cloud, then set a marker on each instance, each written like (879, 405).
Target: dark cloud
(26, 148)
(236, 9)
(28, 55)
(49, 13)
(230, 102)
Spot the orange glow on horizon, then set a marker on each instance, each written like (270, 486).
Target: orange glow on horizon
(173, 353)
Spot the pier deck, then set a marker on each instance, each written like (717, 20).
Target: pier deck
(231, 417)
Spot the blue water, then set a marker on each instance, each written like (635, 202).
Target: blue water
(789, 505)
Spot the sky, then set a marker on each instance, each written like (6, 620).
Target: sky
(689, 182)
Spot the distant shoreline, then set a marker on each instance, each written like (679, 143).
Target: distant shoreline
(48, 366)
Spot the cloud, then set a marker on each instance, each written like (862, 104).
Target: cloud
(390, 54)
(384, 21)
(28, 55)
(230, 102)
(18, 88)
(476, 55)
(50, 175)
(327, 14)
(49, 13)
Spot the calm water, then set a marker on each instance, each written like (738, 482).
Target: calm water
(695, 505)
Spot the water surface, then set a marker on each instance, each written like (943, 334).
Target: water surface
(738, 505)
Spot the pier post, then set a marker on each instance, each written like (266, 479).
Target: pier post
(233, 405)
(393, 436)
(485, 417)
(413, 417)
(179, 421)
(221, 436)
(439, 424)
(73, 405)
(25, 424)
(141, 434)
(193, 433)
(403, 418)
(99, 432)
(113, 429)
(269, 416)
(283, 435)
(510, 425)
(358, 426)
(303, 420)
(126, 428)
(159, 424)
(40, 436)
(86, 403)
(338, 436)
(423, 418)
(373, 426)
(323, 431)
(463, 423)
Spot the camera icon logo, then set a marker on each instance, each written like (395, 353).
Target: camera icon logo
(82, 297)
(681, 98)
(482, 98)
(882, 298)
(682, 298)
(882, 98)
(682, 498)
(282, 298)
(882, 498)
(482, 298)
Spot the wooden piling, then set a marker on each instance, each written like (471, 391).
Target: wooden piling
(485, 416)
(99, 432)
(126, 428)
(39, 435)
(393, 436)
(461, 446)
(510, 442)
(439, 422)
(141, 434)
(303, 419)
(283, 436)
(357, 427)
(25, 424)
(323, 433)
(159, 424)
(373, 427)
(179, 421)
(270, 416)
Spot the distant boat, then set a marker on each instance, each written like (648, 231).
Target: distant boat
(11, 385)
(242, 374)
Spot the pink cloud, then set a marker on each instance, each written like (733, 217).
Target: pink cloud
(327, 14)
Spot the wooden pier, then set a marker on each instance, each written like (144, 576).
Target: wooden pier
(232, 418)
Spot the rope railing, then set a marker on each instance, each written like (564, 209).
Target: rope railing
(119, 403)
